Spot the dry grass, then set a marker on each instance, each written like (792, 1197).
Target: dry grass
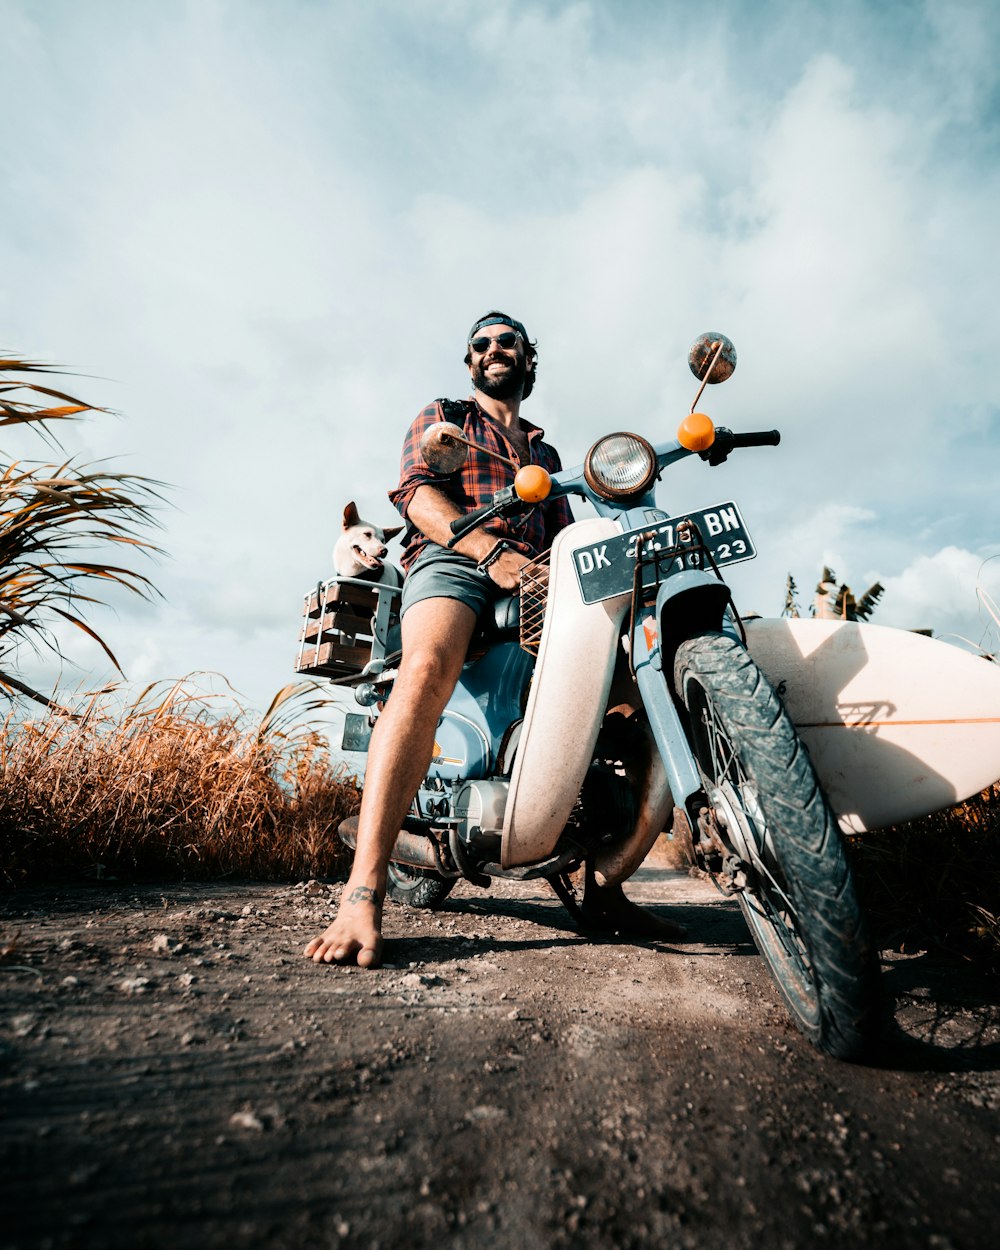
(934, 883)
(171, 787)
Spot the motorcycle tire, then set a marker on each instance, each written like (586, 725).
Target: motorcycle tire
(800, 902)
(417, 887)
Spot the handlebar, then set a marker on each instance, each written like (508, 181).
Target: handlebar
(726, 441)
(506, 500)
(462, 523)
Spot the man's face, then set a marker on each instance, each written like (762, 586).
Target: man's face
(498, 371)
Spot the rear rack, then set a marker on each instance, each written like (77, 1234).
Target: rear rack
(350, 629)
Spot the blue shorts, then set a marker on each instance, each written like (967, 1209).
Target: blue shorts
(441, 574)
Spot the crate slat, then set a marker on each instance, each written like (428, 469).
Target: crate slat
(356, 596)
(336, 622)
(334, 655)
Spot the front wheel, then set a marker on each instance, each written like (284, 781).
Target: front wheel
(766, 805)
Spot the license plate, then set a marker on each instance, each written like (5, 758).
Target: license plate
(357, 733)
(607, 568)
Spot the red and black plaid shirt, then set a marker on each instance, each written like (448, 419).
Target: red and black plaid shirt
(475, 484)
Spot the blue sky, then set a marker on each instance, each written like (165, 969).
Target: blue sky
(265, 227)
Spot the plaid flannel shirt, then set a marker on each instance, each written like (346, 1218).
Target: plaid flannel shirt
(530, 531)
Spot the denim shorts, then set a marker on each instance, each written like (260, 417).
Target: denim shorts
(441, 574)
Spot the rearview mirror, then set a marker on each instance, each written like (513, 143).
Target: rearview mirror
(444, 447)
(712, 358)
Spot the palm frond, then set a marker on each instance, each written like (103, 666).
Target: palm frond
(791, 608)
(56, 520)
(868, 602)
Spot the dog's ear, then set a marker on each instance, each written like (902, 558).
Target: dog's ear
(351, 517)
(387, 534)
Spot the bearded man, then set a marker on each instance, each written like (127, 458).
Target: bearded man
(444, 593)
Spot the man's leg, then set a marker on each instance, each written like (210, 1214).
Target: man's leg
(436, 635)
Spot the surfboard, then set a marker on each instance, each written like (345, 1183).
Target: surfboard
(898, 725)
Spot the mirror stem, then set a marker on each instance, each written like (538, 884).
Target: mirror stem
(708, 372)
(485, 450)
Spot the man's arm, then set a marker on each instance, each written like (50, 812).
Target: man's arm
(432, 512)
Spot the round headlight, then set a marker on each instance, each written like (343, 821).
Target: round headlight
(619, 466)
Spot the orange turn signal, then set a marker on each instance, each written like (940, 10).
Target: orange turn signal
(532, 483)
(696, 432)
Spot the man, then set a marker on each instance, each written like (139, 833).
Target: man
(443, 595)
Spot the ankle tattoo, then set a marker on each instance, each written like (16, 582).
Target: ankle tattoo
(364, 894)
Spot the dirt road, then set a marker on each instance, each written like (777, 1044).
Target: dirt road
(172, 1073)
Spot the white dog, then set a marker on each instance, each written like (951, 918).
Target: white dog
(360, 550)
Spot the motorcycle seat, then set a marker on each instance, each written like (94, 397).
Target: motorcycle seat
(501, 622)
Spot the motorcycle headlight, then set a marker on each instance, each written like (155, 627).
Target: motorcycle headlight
(619, 466)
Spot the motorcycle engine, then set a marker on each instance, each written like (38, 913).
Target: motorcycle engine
(606, 808)
(479, 806)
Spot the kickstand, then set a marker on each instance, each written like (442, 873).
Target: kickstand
(563, 887)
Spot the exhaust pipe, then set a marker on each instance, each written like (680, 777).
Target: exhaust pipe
(412, 849)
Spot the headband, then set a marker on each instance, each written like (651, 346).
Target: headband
(496, 319)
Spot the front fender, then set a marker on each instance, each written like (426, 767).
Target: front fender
(569, 694)
(689, 603)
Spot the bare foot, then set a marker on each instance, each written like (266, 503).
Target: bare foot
(355, 935)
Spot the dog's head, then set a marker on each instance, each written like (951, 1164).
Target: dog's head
(362, 543)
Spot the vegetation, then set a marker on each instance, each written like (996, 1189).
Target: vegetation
(934, 883)
(171, 787)
(832, 601)
(53, 517)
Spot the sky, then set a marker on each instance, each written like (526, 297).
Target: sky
(262, 230)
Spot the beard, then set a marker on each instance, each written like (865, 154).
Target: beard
(505, 385)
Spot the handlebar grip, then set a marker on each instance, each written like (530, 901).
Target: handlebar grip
(467, 522)
(501, 503)
(762, 438)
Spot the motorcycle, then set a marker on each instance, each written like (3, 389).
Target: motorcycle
(616, 687)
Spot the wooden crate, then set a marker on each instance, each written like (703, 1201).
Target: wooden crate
(346, 626)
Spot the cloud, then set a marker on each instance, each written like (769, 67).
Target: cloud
(270, 225)
(939, 591)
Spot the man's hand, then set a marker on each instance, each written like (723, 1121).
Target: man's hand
(506, 569)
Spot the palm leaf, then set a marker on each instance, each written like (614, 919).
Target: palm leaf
(869, 600)
(55, 519)
(75, 620)
(791, 608)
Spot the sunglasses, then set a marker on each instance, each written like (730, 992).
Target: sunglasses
(505, 340)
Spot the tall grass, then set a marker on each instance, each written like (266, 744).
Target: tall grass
(934, 883)
(170, 787)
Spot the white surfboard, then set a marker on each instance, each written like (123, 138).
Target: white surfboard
(897, 725)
